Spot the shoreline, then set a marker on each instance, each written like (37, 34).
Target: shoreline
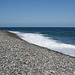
(36, 45)
(23, 57)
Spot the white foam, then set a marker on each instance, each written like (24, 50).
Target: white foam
(47, 42)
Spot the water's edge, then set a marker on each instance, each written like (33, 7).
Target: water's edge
(70, 52)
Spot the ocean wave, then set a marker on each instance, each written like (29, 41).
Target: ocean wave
(47, 42)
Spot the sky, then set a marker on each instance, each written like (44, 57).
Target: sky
(37, 13)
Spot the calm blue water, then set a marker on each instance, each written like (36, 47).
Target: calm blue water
(61, 39)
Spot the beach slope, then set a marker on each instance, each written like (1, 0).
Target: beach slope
(18, 57)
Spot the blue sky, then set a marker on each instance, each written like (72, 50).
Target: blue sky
(35, 13)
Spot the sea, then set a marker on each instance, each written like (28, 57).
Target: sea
(61, 39)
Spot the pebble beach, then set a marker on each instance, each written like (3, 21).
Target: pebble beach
(18, 57)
